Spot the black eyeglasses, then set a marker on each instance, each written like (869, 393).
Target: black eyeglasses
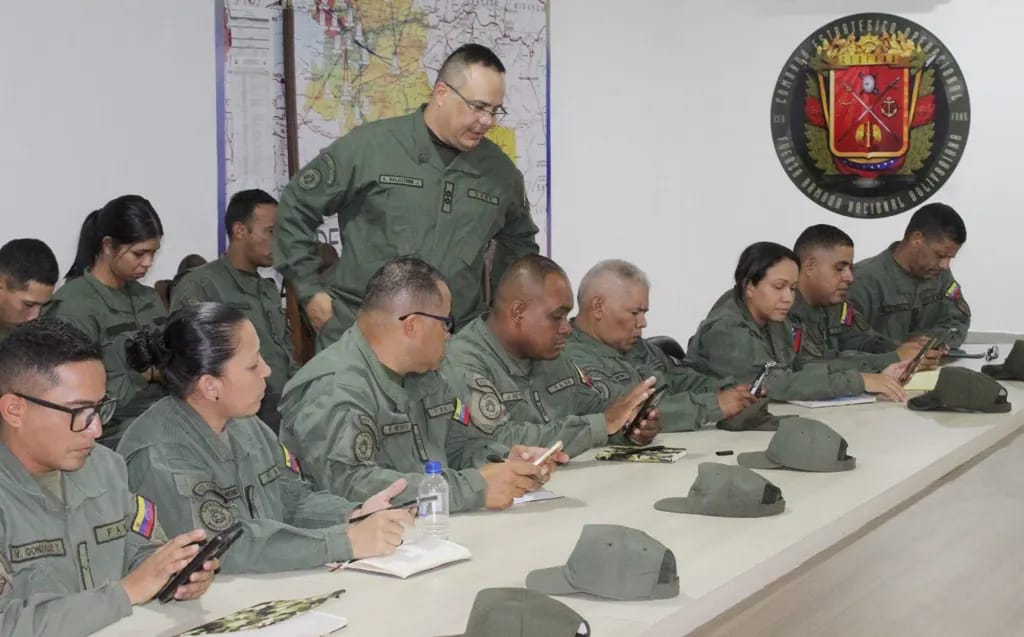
(103, 410)
(449, 321)
(481, 109)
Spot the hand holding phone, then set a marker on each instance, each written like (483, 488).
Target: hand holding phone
(555, 448)
(646, 408)
(757, 387)
(212, 549)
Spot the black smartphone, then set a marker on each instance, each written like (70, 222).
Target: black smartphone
(213, 548)
(929, 345)
(645, 409)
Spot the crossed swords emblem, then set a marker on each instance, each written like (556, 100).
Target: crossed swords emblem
(870, 109)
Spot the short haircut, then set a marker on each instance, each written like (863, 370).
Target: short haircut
(820, 237)
(242, 205)
(755, 260)
(622, 270)
(533, 268)
(35, 349)
(189, 262)
(23, 261)
(404, 279)
(937, 222)
(198, 339)
(454, 67)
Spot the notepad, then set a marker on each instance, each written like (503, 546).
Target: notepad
(537, 496)
(423, 554)
(923, 381)
(835, 402)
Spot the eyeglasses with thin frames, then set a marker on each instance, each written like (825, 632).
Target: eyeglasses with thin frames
(480, 109)
(449, 321)
(104, 410)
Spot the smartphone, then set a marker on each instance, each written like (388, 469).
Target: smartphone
(213, 548)
(757, 386)
(555, 448)
(645, 409)
(911, 367)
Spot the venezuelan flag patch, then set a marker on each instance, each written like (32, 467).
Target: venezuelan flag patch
(144, 520)
(583, 376)
(846, 316)
(461, 413)
(290, 460)
(953, 292)
(798, 337)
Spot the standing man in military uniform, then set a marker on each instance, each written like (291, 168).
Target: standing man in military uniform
(234, 280)
(521, 385)
(832, 327)
(908, 290)
(77, 548)
(607, 343)
(371, 408)
(427, 183)
(28, 272)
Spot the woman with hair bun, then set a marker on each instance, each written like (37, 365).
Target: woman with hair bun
(204, 458)
(102, 296)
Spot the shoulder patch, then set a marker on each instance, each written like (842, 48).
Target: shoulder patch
(144, 520)
(309, 179)
(584, 378)
(215, 516)
(953, 292)
(846, 315)
(362, 446)
(798, 336)
(460, 412)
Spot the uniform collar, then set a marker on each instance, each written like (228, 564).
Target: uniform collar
(247, 282)
(466, 161)
(480, 332)
(585, 339)
(219, 445)
(77, 485)
(120, 299)
(894, 266)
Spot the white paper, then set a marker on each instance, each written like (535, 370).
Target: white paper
(537, 496)
(835, 402)
(412, 557)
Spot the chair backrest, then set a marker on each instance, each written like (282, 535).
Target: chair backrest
(669, 345)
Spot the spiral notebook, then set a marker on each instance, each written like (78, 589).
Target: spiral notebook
(422, 554)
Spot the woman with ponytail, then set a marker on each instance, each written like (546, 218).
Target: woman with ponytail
(204, 458)
(102, 296)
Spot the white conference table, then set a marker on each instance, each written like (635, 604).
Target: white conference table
(721, 561)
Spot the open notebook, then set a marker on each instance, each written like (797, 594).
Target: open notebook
(860, 399)
(422, 554)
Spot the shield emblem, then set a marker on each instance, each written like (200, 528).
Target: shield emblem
(869, 111)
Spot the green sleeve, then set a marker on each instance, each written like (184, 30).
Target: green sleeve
(266, 546)
(955, 314)
(329, 440)
(863, 361)
(317, 191)
(308, 508)
(27, 613)
(517, 237)
(860, 336)
(867, 303)
(191, 289)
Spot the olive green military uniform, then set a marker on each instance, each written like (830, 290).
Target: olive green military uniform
(840, 335)
(111, 317)
(395, 196)
(690, 401)
(201, 479)
(522, 401)
(4, 331)
(730, 343)
(358, 426)
(259, 299)
(901, 306)
(64, 553)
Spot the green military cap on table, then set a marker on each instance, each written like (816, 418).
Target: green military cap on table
(1010, 369)
(802, 444)
(515, 612)
(755, 417)
(962, 389)
(727, 491)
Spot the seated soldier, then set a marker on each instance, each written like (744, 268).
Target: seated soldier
(743, 333)
(371, 408)
(102, 296)
(205, 459)
(607, 343)
(28, 272)
(77, 548)
(234, 279)
(908, 290)
(520, 385)
(832, 328)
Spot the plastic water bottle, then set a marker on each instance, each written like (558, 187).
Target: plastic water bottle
(432, 517)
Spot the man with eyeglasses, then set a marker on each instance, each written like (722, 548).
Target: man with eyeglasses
(427, 183)
(372, 408)
(521, 385)
(77, 548)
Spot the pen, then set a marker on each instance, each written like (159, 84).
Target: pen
(403, 505)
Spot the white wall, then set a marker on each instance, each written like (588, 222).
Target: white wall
(662, 152)
(660, 128)
(104, 98)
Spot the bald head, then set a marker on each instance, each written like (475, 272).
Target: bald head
(614, 297)
(531, 308)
